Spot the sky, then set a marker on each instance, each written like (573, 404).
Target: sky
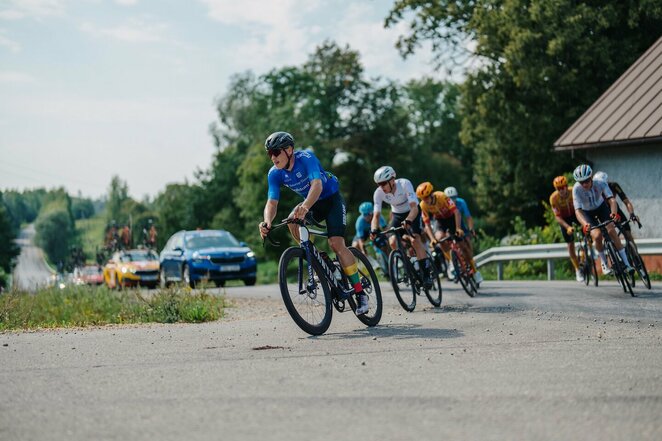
(95, 88)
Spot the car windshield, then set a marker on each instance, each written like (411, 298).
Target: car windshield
(134, 256)
(220, 239)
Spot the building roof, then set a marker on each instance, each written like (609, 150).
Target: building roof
(629, 112)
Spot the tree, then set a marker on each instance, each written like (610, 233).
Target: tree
(539, 65)
(55, 233)
(118, 193)
(8, 248)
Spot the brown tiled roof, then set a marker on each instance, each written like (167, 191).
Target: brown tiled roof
(629, 112)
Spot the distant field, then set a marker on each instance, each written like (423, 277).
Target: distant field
(91, 235)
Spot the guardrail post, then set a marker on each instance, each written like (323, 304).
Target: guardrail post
(499, 270)
(550, 269)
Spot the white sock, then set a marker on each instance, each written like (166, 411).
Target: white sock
(603, 258)
(624, 256)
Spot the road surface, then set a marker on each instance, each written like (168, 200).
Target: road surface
(523, 360)
(30, 271)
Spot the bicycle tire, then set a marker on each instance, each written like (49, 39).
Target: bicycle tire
(639, 265)
(400, 274)
(460, 274)
(473, 284)
(434, 294)
(618, 267)
(371, 287)
(304, 308)
(382, 258)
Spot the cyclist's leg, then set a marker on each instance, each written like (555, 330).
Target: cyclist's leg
(570, 241)
(294, 229)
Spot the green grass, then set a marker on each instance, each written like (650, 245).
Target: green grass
(91, 233)
(88, 306)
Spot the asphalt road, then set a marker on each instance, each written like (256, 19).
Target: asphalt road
(31, 271)
(543, 360)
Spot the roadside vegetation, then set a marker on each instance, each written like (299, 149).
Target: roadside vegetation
(78, 306)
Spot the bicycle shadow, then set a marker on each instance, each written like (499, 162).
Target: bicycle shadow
(398, 331)
(471, 308)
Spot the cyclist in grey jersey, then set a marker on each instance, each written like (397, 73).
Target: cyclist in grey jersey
(595, 203)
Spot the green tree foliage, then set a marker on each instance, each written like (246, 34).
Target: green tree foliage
(175, 209)
(353, 125)
(537, 66)
(82, 208)
(118, 194)
(8, 248)
(55, 228)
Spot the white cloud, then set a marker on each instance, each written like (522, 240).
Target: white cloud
(277, 32)
(126, 2)
(15, 77)
(137, 30)
(9, 44)
(17, 9)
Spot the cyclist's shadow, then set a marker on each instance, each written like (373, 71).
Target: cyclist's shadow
(398, 331)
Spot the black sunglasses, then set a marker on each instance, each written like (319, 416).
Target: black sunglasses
(274, 152)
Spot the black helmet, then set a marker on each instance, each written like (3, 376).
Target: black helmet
(278, 140)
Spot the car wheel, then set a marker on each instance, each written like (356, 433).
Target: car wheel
(250, 281)
(219, 283)
(186, 276)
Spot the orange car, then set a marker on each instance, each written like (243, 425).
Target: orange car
(132, 268)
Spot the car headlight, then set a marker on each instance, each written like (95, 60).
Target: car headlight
(250, 254)
(124, 270)
(196, 256)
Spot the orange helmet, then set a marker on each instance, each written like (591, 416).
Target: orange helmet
(424, 190)
(560, 182)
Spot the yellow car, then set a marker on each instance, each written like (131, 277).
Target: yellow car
(132, 268)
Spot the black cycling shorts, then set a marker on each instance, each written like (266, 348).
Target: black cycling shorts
(599, 215)
(569, 220)
(446, 225)
(333, 211)
(416, 225)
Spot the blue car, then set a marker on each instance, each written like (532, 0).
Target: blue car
(215, 255)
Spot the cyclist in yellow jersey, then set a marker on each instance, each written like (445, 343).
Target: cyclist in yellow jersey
(435, 205)
(564, 212)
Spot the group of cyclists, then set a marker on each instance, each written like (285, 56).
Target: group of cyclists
(438, 214)
(590, 202)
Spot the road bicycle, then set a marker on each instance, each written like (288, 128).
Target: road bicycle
(377, 255)
(633, 255)
(586, 258)
(464, 273)
(439, 260)
(614, 260)
(311, 282)
(406, 277)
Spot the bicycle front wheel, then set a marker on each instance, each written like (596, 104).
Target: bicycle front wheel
(402, 280)
(371, 288)
(434, 294)
(460, 274)
(307, 299)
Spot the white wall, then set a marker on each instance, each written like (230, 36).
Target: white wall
(638, 169)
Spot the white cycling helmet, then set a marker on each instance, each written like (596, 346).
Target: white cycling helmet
(582, 173)
(451, 192)
(600, 176)
(383, 174)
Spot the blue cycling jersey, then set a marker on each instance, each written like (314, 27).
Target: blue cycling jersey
(306, 168)
(363, 226)
(464, 211)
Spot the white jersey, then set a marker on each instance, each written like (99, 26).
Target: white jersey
(400, 200)
(592, 198)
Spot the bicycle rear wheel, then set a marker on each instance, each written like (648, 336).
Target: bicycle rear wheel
(371, 288)
(309, 304)
(619, 268)
(402, 280)
(638, 263)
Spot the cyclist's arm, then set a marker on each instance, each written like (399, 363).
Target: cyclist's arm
(313, 194)
(428, 231)
(374, 225)
(413, 211)
(270, 209)
(458, 219)
(613, 205)
(581, 217)
(562, 222)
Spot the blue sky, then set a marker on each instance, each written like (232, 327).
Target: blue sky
(94, 88)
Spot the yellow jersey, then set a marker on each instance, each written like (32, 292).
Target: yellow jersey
(562, 206)
(442, 207)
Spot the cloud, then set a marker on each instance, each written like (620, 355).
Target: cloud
(18, 9)
(277, 32)
(15, 77)
(9, 43)
(136, 30)
(126, 2)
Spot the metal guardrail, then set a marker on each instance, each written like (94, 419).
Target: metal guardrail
(548, 252)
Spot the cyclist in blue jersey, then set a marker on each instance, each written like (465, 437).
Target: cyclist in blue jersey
(302, 172)
(363, 226)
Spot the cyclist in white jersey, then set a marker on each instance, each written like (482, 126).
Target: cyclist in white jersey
(400, 195)
(594, 203)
